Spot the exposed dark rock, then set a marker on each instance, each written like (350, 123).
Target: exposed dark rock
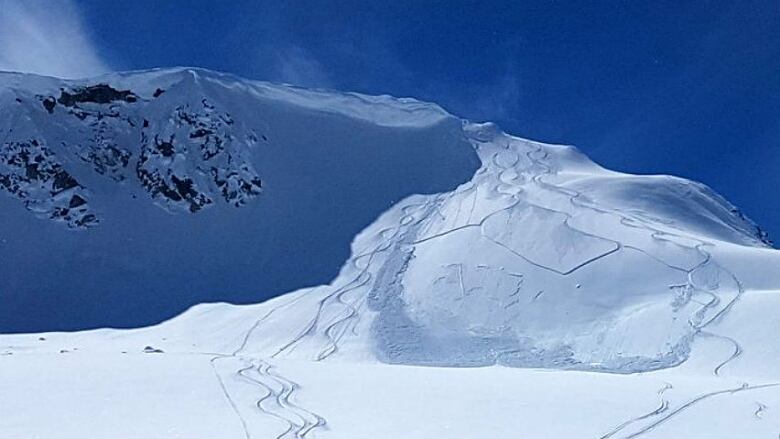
(759, 233)
(49, 104)
(200, 132)
(98, 94)
(87, 220)
(108, 159)
(76, 201)
(166, 148)
(63, 181)
(154, 172)
(210, 131)
(188, 159)
(30, 172)
(183, 186)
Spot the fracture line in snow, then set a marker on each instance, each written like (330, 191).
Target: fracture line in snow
(707, 259)
(656, 234)
(629, 221)
(544, 267)
(339, 326)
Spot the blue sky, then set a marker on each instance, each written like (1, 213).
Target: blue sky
(689, 88)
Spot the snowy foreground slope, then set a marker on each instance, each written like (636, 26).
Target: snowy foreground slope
(546, 297)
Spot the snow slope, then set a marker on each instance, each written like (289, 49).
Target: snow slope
(545, 296)
(209, 191)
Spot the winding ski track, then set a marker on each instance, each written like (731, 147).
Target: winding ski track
(277, 400)
(278, 391)
(706, 259)
(692, 402)
(663, 406)
(656, 234)
(737, 350)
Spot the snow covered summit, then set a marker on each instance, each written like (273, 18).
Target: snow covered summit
(488, 250)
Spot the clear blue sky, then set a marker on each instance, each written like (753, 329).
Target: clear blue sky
(690, 88)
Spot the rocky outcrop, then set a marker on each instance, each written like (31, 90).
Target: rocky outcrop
(192, 157)
(30, 172)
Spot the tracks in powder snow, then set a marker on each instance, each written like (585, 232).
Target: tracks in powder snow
(278, 391)
(337, 312)
(276, 400)
(663, 406)
(668, 415)
(698, 320)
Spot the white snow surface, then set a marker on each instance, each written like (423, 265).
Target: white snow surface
(547, 297)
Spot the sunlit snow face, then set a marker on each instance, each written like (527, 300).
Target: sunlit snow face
(529, 278)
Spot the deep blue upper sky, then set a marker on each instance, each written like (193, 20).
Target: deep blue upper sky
(690, 88)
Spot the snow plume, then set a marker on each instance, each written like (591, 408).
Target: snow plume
(46, 38)
(295, 65)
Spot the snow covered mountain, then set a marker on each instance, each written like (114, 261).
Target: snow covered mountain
(182, 186)
(599, 304)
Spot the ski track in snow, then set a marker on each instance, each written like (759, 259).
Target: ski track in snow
(633, 221)
(692, 402)
(737, 350)
(656, 234)
(350, 311)
(338, 307)
(278, 392)
(663, 406)
(230, 401)
(277, 399)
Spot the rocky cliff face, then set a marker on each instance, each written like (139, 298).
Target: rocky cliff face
(151, 191)
(188, 157)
